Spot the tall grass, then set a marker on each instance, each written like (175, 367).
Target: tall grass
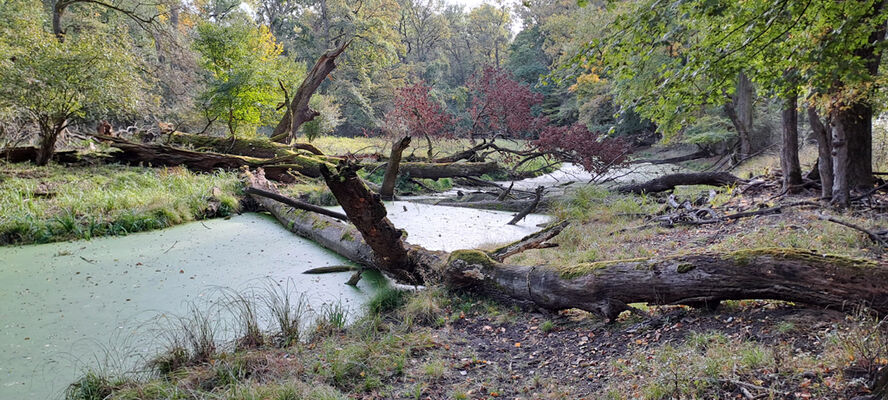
(53, 203)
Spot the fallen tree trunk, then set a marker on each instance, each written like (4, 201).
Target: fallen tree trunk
(688, 157)
(605, 288)
(29, 153)
(255, 147)
(301, 205)
(280, 168)
(444, 170)
(669, 182)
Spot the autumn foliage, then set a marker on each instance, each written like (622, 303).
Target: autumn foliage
(576, 144)
(419, 114)
(501, 106)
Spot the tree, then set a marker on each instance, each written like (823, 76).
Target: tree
(59, 83)
(417, 113)
(245, 69)
(692, 50)
(595, 152)
(501, 105)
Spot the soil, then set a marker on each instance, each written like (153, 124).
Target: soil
(488, 357)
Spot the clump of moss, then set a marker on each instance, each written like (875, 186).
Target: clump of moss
(684, 268)
(583, 269)
(472, 257)
(744, 257)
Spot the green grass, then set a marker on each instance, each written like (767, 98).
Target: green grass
(55, 203)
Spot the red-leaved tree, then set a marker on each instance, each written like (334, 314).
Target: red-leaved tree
(419, 114)
(501, 105)
(576, 144)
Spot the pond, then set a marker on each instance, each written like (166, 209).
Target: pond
(69, 306)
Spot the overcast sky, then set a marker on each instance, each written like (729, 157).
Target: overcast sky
(516, 25)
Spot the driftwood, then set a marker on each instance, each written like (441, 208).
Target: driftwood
(880, 238)
(669, 182)
(537, 240)
(24, 154)
(330, 269)
(605, 288)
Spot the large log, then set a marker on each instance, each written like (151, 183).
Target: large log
(605, 288)
(279, 168)
(259, 147)
(669, 182)
(444, 170)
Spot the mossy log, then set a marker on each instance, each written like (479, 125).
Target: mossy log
(604, 288)
(279, 168)
(669, 182)
(259, 147)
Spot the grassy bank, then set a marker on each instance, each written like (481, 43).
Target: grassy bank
(56, 203)
(439, 345)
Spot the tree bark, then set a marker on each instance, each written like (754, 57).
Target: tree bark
(605, 288)
(824, 153)
(740, 111)
(48, 137)
(669, 182)
(856, 120)
(298, 111)
(365, 210)
(391, 170)
(841, 163)
(789, 153)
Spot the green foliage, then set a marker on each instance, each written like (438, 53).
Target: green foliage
(245, 68)
(55, 83)
(386, 300)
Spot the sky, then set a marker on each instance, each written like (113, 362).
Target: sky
(516, 25)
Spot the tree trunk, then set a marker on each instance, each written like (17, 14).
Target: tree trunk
(740, 112)
(841, 163)
(789, 154)
(258, 147)
(446, 170)
(856, 120)
(824, 153)
(279, 168)
(57, 10)
(48, 138)
(298, 111)
(391, 170)
(365, 210)
(605, 288)
(669, 182)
